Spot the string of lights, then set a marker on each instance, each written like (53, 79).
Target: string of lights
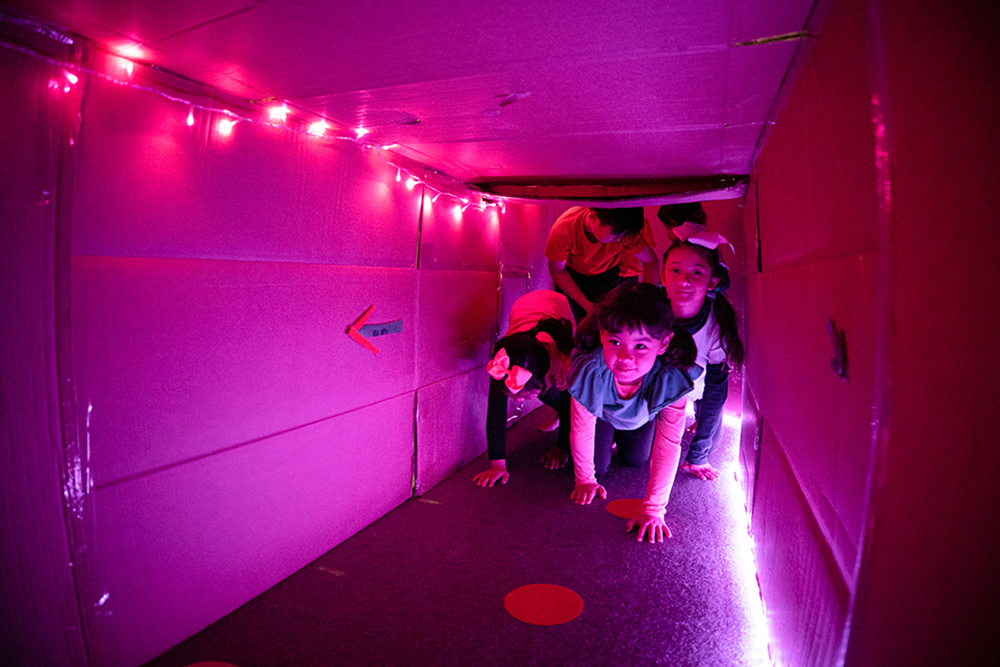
(278, 113)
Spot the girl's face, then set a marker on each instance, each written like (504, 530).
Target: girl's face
(687, 278)
(631, 354)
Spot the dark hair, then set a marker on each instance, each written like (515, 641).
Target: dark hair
(624, 222)
(525, 350)
(637, 306)
(725, 316)
(674, 215)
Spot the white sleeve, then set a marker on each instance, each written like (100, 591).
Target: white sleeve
(582, 426)
(665, 458)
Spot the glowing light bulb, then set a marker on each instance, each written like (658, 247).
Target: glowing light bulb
(399, 176)
(456, 213)
(318, 128)
(128, 66)
(428, 201)
(436, 197)
(226, 126)
(72, 78)
(278, 114)
(129, 50)
(411, 183)
(190, 118)
(361, 131)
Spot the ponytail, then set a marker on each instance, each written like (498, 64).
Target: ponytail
(682, 350)
(725, 317)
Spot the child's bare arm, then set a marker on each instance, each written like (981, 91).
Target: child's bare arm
(565, 282)
(650, 265)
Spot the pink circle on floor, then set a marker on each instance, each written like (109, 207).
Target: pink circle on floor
(543, 604)
(626, 508)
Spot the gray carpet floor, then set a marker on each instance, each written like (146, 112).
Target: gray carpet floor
(425, 584)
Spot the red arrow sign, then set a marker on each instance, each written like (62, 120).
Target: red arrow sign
(353, 332)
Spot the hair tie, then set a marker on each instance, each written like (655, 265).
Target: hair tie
(692, 232)
(514, 377)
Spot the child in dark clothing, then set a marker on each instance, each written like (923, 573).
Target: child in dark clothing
(531, 360)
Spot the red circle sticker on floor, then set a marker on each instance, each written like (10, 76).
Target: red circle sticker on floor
(543, 604)
(626, 508)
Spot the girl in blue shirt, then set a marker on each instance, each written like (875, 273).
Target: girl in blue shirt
(628, 378)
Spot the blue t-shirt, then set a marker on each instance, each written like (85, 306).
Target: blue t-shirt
(592, 384)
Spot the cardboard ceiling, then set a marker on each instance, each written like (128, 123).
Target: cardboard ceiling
(587, 100)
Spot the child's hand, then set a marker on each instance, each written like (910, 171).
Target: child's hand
(555, 458)
(653, 526)
(583, 494)
(496, 472)
(703, 471)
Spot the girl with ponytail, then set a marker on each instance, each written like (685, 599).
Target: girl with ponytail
(695, 280)
(531, 360)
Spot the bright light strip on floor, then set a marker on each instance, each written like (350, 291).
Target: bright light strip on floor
(741, 552)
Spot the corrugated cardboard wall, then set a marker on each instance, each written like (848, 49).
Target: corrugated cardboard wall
(232, 431)
(812, 212)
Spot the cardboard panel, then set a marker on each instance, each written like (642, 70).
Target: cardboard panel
(457, 322)
(182, 358)
(451, 426)
(751, 434)
(523, 232)
(455, 240)
(181, 548)
(150, 186)
(934, 590)
(817, 176)
(39, 616)
(824, 421)
(804, 595)
(751, 86)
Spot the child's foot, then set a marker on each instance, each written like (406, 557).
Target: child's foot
(692, 428)
(703, 471)
(555, 458)
(550, 424)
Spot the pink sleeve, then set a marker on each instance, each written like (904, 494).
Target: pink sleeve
(582, 425)
(665, 458)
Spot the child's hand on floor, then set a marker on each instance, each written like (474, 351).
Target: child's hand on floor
(496, 472)
(555, 458)
(583, 494)
(704, 471)
(653, 526)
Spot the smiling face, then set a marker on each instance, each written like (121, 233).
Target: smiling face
(631, 354)
(687, 277)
